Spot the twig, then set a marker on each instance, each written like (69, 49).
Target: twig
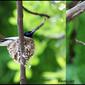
(21, 38)
(73, 12)
(35, 13)
(80, 42)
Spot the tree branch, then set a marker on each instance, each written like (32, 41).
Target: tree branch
(80, 42)
(75, 11)
(21, 38)
(35, 13)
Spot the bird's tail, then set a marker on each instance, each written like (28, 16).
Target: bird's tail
(6, 41)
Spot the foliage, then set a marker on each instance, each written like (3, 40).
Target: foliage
(48, 63)
(75, 70)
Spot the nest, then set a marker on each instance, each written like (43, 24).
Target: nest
(15, 51)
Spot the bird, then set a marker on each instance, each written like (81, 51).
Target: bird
(13, 45)
(6, 41)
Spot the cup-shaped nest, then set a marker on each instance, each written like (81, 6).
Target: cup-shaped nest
(15, 51)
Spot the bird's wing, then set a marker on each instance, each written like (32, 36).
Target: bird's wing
(6, 41)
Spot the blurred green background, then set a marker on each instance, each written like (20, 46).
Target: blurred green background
(48, 64)
(75, 68)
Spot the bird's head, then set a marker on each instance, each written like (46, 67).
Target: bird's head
(28, 34)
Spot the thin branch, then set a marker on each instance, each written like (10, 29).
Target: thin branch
(80, 42)
(21, 38)
(35, 13)
(75, 11)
